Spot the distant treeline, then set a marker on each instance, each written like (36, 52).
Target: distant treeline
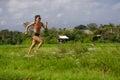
(82, 33)
(11, 37)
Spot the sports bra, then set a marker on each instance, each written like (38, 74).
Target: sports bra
(37, 26)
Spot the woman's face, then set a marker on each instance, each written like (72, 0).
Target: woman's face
(38, 19)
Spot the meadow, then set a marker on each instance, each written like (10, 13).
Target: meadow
(70, 61)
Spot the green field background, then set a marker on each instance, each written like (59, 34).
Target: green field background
(72, 61)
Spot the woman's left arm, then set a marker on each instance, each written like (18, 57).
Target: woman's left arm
(45, 26)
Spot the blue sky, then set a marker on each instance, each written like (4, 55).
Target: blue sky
(59, 13)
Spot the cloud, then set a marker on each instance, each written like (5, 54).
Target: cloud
(116, 6)
(3, 22)
(18, 15)
(15, 5)
(59, 13)
(1, 10)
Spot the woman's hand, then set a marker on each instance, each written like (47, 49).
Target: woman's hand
(45, 26)
(26, 32)
(46, 23)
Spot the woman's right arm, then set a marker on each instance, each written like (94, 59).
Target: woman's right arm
(27, 27)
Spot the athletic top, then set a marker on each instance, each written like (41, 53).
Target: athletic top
(38, 26)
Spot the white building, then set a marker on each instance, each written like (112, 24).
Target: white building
(62, 38)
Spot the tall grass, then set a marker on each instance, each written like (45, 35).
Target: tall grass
(75, 61)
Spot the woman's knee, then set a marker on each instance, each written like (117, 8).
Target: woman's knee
(42, 42)
(33, 43)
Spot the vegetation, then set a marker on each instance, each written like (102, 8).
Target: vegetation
(107, 33)
(76, 61)
(86, 56)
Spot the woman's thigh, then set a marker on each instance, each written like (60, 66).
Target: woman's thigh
(36, 38)
(33, 42)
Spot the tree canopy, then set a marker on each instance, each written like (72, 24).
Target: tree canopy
(102, 33)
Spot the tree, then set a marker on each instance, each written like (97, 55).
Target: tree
(92, 26)
(80, 27)
(11, 37)
(111, 25)
(50, 35)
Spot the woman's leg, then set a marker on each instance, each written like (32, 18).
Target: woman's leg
(31, 47)
(39, 40)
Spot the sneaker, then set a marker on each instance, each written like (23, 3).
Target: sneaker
(36, 51)
(27, 55)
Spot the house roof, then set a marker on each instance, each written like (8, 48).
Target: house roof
(88, 32)
(63, 37)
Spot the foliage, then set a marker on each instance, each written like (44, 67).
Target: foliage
(11, 37)
(109, 34)
(103, 33)
(92, 26)
(75, 61)
(80, 27)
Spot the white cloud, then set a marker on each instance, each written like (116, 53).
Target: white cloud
(59, 15)
(116, 6)
(3, 22)
(1, 10)
(18, 15)
(15, 5)
(62, 12)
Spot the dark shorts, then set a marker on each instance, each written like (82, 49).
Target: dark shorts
(36, 34)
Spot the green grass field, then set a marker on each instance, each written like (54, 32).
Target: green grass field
(78, 61)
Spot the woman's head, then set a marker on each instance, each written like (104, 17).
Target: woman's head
(37, 17)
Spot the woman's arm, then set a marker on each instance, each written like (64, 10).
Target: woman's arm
(27, 27)
(45, 26)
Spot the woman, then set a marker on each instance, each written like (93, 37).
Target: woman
(37, 24)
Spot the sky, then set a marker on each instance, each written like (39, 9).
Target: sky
(58, 13)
